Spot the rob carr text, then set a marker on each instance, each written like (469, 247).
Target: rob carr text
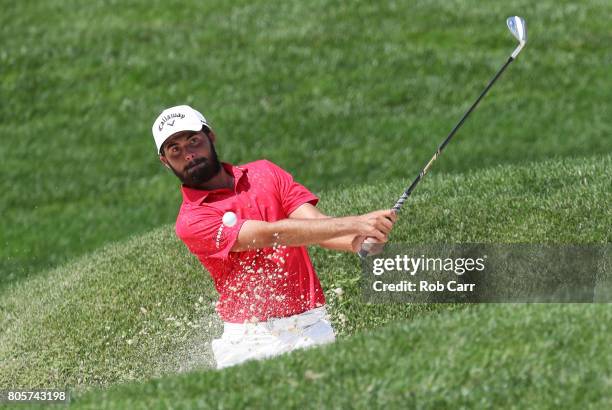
(414, 265)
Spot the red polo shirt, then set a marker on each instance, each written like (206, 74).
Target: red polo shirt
(261, 283)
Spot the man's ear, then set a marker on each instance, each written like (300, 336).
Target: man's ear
(212, 135)
(164, 161)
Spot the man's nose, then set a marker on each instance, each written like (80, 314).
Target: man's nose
(189, 156)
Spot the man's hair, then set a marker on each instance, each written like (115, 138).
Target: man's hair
(204, 129)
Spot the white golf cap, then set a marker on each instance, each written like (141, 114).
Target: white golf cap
(175, 119)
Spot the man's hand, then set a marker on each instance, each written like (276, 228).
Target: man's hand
(356, 243)
(374, 244)
(376, 225)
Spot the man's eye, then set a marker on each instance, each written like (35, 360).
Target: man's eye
(194, 140)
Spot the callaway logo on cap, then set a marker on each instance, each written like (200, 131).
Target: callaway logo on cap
(175, 119)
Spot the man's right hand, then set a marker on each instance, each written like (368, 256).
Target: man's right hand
(376, 225)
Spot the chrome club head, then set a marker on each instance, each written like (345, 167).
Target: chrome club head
(518, 27)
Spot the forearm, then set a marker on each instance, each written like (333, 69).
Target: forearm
(342, 243)
(294, 232)
(301, 232)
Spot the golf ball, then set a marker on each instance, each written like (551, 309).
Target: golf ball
(229, 219)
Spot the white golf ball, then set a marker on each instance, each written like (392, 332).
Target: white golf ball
(229, 219)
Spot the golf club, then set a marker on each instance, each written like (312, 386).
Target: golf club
(519, 29)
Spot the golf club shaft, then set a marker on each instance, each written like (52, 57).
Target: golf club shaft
(398, 205)
(366, 247)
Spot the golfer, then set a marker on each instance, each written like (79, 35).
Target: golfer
(270, 298)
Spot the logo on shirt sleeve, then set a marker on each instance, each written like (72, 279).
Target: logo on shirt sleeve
(218, 238)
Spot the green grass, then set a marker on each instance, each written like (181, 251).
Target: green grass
(132, 311)
(337, 94)
(519, 356)
(97, 294)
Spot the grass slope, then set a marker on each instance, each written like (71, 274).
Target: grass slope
(500, 356)
(334, 93)
(142, 308)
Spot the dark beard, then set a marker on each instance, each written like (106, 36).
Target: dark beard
(200, 170)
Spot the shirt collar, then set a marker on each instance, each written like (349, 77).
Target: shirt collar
(198, 196)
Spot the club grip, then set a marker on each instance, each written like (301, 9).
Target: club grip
(369, 247)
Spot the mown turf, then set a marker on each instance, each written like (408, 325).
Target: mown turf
(350, 97)
(142, 307)
(337, 93)
(518, 356)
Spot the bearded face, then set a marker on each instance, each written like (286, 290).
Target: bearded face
(192, 158)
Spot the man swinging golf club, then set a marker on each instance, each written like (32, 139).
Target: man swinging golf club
(249, 225)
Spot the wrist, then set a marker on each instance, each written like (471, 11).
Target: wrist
(356, 243)
(348, 225)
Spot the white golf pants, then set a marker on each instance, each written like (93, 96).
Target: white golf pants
(245, 341)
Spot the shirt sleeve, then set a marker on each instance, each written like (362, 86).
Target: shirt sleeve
(292, 194)
(202, 230)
